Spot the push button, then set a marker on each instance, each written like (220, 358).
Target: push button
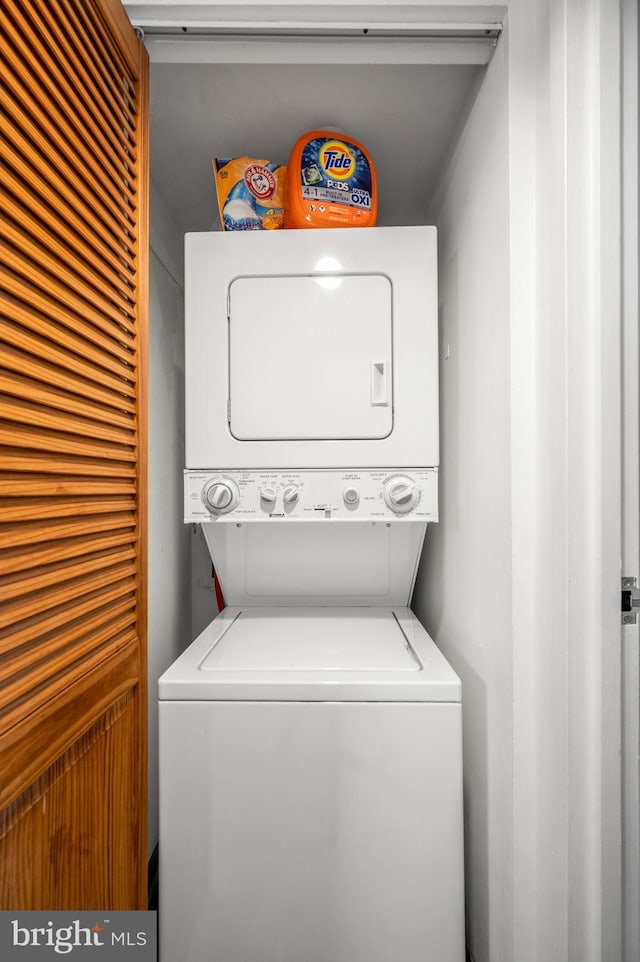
(351, 496)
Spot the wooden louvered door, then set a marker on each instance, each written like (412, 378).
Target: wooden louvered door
(73, 263)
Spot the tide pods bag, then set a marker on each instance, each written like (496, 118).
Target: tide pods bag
(251, 193)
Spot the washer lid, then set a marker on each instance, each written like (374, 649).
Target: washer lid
(312, 655)
(289, 640)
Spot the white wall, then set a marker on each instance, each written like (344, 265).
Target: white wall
(566, 494)
(463, 587)
(169, 622)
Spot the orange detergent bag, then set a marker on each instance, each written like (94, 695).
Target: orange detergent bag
(331, 182)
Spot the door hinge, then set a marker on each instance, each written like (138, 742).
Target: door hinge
(629, 600)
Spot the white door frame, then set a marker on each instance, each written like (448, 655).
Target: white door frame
(631, 485)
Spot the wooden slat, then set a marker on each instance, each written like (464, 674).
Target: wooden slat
(88, 124)
(80, 60)
(70, 385)
(63, 26)
(47, 600)
(28, 159)
(15, 486)
(61, 310)
(45, 128)
(52, 599)
(64, 219)
(17, 535)
(37, 415)
(60, 282)
(45, 180)
(62, 443)
(91, 407)
(100, 84)
(15, 585)
(116, 69)
(28, 557)
(86, 32)
(16, 460)
(34, 214)
(37, 626)
(49, 410)
(41, 508)
(69, 666)
(110, 620)
(103, 360)
(110, 303)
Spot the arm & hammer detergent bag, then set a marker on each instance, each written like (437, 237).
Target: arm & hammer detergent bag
(331, 182)
(251, 193)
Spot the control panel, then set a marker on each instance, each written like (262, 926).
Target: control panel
(376, 495)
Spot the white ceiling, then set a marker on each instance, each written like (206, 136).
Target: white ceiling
(408, 116)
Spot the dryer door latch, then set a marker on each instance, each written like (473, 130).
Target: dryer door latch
(630, 601)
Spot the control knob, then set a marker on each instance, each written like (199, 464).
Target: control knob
(268, 494)
(400, 494)
(291, 494)
(220, 495)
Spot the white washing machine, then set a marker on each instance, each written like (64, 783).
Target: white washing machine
(310, 738)
(311, 791)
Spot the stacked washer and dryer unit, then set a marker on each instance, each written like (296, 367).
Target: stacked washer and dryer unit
(310, 737)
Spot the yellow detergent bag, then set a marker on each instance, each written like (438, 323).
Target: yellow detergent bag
(251, 193)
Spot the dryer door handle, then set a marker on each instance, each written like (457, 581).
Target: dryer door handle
(379, 383)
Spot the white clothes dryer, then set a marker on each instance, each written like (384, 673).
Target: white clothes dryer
(311, 791)
(312, 349)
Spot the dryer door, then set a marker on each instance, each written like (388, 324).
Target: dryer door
(311, 349)
(310, 358)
